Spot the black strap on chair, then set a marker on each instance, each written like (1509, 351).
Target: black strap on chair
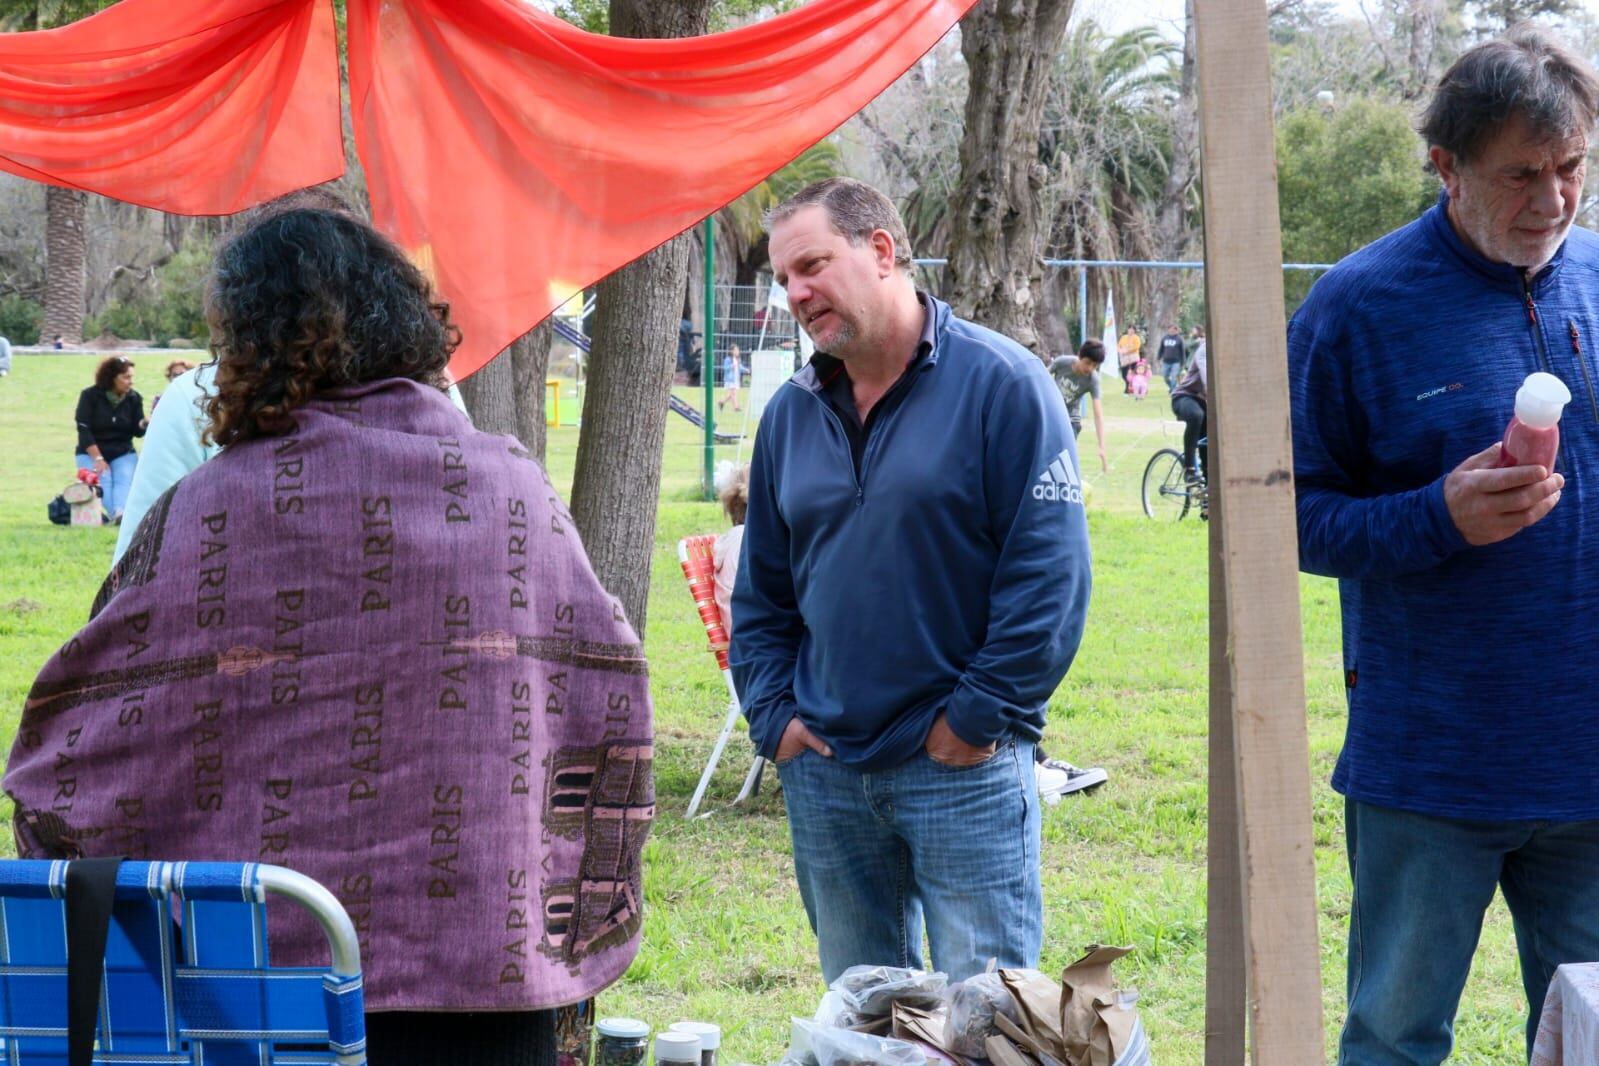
(91, 890)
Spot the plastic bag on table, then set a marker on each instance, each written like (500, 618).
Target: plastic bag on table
(972, 1006)
(842, 1047)
(873, 990)
(835, 1012)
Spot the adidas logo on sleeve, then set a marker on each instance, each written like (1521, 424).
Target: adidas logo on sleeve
(1060, 481)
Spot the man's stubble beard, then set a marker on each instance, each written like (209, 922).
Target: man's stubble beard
(843, 337)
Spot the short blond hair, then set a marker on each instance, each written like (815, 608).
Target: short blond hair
(735, 495)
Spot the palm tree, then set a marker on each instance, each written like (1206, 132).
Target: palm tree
(744, 220)
(64, 252)
(741, 226)
(1107, 143)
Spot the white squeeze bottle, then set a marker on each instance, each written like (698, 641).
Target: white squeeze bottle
(1533, 436)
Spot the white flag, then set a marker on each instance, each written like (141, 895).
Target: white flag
(1110, 334)
(777, 297)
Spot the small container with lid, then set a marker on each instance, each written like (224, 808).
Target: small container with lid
(682, 1049)
(622, 1042)
(710, 1036)
(1533, 436)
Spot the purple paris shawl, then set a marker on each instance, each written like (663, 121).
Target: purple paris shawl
(371, 650)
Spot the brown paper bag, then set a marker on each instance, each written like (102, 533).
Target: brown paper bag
(923, 1027)
(1094, 1027)
(1028, 1044)
(926, 1029)
(1002, 1052)
(1038, 999)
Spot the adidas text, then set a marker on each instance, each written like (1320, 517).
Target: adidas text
(1060, 481)
(1069, 493)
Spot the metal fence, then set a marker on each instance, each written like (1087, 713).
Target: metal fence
(746, 319)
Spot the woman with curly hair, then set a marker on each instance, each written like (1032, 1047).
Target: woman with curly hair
(374, 635)
(110, 414)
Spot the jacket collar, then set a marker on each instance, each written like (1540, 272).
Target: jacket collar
(815, 374)
(1498, 275)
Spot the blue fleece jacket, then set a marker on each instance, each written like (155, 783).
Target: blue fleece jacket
(952, 575)
(1470, 672)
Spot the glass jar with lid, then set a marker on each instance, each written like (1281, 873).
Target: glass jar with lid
(622, 1042)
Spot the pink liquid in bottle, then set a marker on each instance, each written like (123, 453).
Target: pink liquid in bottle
(1526, 446)
(1533, 436)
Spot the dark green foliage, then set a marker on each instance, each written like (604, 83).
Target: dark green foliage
(18, 15)
(1345, 177)
(175, 308)
(19, 319)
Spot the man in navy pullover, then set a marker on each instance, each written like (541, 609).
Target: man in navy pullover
(1470, 592)
(913, 588)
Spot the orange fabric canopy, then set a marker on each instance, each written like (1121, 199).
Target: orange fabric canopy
(199, 107)
(515, 157)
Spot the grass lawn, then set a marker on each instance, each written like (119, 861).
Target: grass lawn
(725, 937)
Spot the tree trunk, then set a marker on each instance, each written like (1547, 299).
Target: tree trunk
(507, 394)
(618, 477)
(530, 365)
(490, 396)
(1171, 218)
(1424, 16)
(995, 242)
(64, 279)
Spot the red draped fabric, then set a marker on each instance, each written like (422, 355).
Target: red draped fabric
(515, 157)
(199, 107)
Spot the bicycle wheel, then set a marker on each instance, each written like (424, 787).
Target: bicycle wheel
(1165, 490)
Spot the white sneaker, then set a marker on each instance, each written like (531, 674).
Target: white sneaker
(1057, 778)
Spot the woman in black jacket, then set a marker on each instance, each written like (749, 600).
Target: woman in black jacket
(110, 415)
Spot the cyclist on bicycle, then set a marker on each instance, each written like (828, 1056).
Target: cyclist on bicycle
(1188, 404)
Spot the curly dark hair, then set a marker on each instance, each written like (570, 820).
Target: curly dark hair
(307, 299)
(110, 368)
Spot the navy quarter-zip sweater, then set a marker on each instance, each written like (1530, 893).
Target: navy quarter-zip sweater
(1470, 672)
(951, 574)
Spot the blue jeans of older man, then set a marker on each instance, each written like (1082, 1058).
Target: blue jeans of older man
(879, 854)
(1422, 884)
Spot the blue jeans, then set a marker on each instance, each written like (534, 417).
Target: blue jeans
(877, 853)
(115, 482)
(1173, 373)
(1422, 884)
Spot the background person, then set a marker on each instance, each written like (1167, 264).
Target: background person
(1076, 377)
(1139, 379)
(175, 369)
(734, 494)
(350, 657)
(1127, 349)
(1172, 356)
(1471, 760)
(110, 414)
(5, 357)
(732, 372)
(1189, 405)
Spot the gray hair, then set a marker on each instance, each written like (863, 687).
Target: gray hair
(1527, 72)
(854, 209)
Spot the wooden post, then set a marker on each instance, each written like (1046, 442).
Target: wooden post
(1262, 661)
(1226, 978)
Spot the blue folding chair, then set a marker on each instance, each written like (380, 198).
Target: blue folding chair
(199, 990)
